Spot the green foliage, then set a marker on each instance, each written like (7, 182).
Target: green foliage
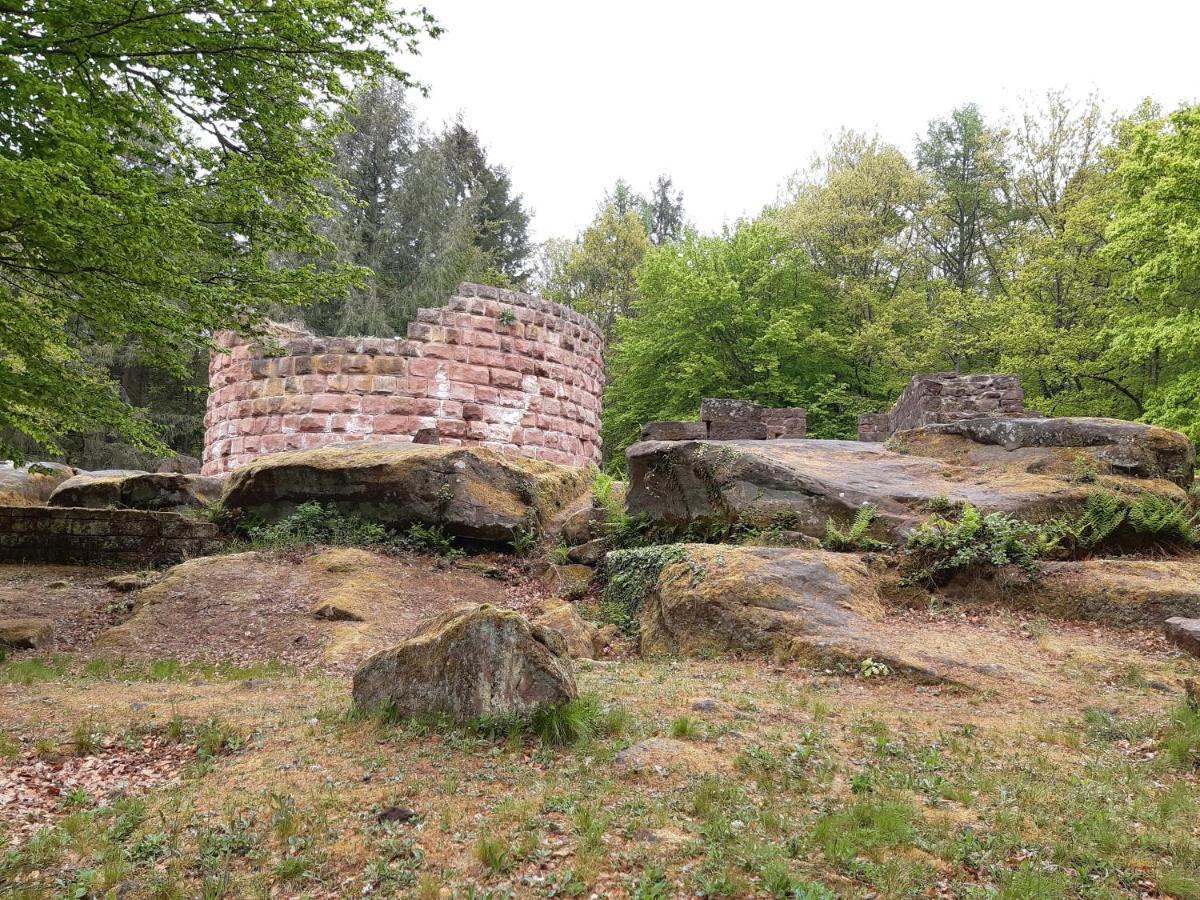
(428, 539)
(566, 723)
(940, 546)
(158, 166)
(734, 315)
(630, 575)
(1166, 519)
(1181, 739)
(313, 523)
(855, 537)
(1105, 513)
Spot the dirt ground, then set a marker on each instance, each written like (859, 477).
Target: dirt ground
(178, 760)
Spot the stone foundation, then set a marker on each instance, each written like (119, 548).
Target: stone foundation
(493, 368)
(945, 397)
(49, 534)
(731, 420)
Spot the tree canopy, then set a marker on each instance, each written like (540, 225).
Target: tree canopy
(159, 159)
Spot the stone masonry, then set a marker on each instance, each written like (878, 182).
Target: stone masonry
(945, 397)
(51, 534)
(493, 368)
(731, 420)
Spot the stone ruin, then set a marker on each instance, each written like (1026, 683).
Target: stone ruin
(493, 368)
(943, 397)
(731, 420)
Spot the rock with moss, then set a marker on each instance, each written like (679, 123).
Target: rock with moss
(799, 485)
(811, 606)
(579, 634)
(471, 662)
(152, 491)
(1184, 633)
(1074, 446)
(471, 493)
(31, 485)
(26, 633)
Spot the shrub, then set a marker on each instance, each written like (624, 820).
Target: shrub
(854, 537)
(312, 523)
(940, 547)
(428, 539)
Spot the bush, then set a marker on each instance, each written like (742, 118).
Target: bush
(855, 537)
(941, 547)
(312, 523)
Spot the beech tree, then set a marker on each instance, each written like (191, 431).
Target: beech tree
(159, 158)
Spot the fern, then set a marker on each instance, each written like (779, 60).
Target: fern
(855, 537)
(1161, 517)
(1103, 513)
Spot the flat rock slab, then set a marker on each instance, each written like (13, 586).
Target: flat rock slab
(151, 491)
(1184, 633)
(812, 606)
(1127, 593)
(472, 493)
(801, 483)
(1123, 448)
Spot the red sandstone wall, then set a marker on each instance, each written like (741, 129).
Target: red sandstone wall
(531, 385)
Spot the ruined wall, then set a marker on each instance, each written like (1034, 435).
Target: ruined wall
(54, 534)
(493, 368)
(722, 419)
(945, 397)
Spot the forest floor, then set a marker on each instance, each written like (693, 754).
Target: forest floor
(207, 773)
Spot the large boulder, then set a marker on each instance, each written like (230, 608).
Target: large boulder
(816, 607)
(799, 484)
(123, 489)
(26, 633)
(1137, 593)
(471, 492)
(31, 485)
(1112, 446)
(580, 635)
(470, 662)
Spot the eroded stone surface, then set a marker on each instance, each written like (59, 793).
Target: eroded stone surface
(150, 491)
(470, 662)
(800, 484)
(1184, 633)
(471, 492)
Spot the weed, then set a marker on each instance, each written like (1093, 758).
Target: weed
(684, 727)
(940, 547)
(507, 317)
(566, 723)
(558, 554)
(429, 539)
(313, 523)
(870, 668)
(854, 537)
(524, 540)
(493, 854)
(1181, 739)
(86, 737)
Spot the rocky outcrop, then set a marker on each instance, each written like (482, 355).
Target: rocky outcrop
(580, 635)
(798, 484)
(33, 484)
(470, 662)
(471, 492)
(810, 606)
(150, 491)
(1183, 633)
(1112, 445)
(26, 633)
(1137, 593)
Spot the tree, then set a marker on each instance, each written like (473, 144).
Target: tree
(1154, 238)
(663, 212)
(159, 159)
(595, 274)
(735, 315)
(421, 212)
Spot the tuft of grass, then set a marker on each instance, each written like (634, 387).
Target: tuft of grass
(685, 728)
(493, 854)
(567, 723)
(844, 834)
(86, 737)
(1181, 740)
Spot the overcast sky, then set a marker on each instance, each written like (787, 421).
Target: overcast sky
(730, 98)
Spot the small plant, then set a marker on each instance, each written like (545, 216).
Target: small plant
(940, 547)
(1181, 739)
(567, 723)
(1083, 470)
(493, 854)
(86, 737)
(870, 668)
(630, 576)
(507, 317)
(311, 523)
(855, 537)
(684, 727)
(523, 540)
(558, 554)
(429, 539)
(939, 504)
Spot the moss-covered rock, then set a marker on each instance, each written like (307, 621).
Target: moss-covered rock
(470, 662)
(26, 633)
(472, 493)
(798, 485)
(151, 491)
(579, 634)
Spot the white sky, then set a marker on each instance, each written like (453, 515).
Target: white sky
(730, 98)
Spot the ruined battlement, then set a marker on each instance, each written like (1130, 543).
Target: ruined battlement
(493, 368)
